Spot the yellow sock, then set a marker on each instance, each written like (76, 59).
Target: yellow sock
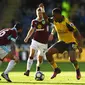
(77, 67)
(54, 65)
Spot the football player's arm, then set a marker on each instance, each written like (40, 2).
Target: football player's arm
(52, 33)
(45, 17)
(29, 34)
(53, 30)
(76, 32)
(78, 37)
(11, 38)
(43, 10)
(71, 27)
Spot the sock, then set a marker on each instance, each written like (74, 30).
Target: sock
(78, 71)
(38, 65)
(10, 66)
(37, 68)
(54, 65)
(29, 63)
(0, 63)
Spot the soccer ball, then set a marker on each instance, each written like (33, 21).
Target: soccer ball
(39, 76)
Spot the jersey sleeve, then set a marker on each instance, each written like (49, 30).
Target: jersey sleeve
(14, 34)
(33, 24)
(53, 29)
(70, 25)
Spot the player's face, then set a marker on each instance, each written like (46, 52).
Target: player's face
(56, 17)
(20, 30)
(39, 14)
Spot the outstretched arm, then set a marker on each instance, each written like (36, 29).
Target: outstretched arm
(78, 39)
(29, 34)
(52, 33)
(43, 10)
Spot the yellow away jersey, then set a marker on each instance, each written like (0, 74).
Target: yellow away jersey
(63, 31)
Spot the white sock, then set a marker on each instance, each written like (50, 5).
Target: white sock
(10, 66)
(29, 63)
(0, 63)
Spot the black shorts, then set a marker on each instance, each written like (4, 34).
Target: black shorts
(61, 46)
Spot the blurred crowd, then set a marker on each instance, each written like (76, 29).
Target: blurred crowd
(73, 9)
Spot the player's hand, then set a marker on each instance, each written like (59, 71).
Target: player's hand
(50, 37)
(80, 49)
(26, 40)
(41, 5)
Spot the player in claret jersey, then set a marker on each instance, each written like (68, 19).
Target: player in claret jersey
(8, 36)
(40, 28)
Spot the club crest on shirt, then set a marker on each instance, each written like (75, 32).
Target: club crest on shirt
(39, 26)
(71, 24)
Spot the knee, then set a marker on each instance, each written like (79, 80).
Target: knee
(72, 60)
(31, 57)
(16, 59)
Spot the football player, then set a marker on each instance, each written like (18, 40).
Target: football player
(69, 39)
(40, 28)
(8, 36)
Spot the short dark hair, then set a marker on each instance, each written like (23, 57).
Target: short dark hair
(18, 26)
(56, 10)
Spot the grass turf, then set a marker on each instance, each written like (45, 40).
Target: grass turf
(67, 77)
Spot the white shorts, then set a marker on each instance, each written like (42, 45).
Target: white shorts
(39, 47)
(4, 50)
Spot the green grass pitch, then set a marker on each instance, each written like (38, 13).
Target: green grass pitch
(67, 76)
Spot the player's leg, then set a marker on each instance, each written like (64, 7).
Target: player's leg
(49, 56)
(12, 63)
(5, 52)
(41, 53)
(56, 48)
(10, 66)
(30, 61)
(39, 61)
(73, 60)
(72, 54)
(33, 49)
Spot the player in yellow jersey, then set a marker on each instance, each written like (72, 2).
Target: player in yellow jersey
(69, 39)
